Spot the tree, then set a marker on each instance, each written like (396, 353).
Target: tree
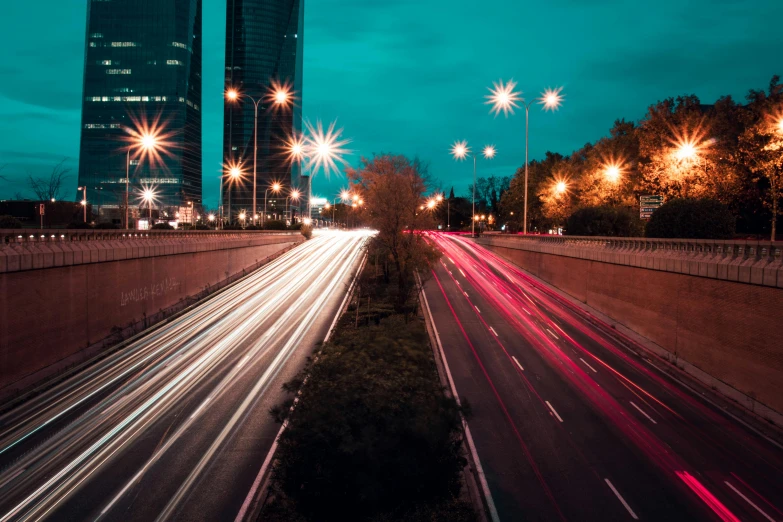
(9, 222)
(49, 188)
(605, 221)
(692, 219)
(761, 147)
(393, 189)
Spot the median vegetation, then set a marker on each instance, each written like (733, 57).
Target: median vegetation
(373, 436)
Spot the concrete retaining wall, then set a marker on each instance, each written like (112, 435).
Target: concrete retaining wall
(102, 289)
(729, 329)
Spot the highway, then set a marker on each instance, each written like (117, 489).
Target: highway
(176, 425)
(569, 423)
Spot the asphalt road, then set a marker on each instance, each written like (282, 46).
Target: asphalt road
(176, 425)
(569, 424)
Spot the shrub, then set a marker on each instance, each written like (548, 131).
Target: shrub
(78, 225)
(307, 231)
(106, 226)
(10, 222)
(162, 226)
(274, 225)
(692, 219)
(604, 221)
(295, 226)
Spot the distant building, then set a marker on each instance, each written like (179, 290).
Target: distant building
(143, 65)
(264, 40)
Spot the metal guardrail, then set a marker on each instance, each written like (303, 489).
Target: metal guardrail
(748, 261)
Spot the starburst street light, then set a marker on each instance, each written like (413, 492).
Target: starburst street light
(280, 94)
(460, 151)
(234, 172)
(294, 195)
(560, 187)
(613, 172)
(149, 196)
(504, 98)
(275, 187)
(325, 148)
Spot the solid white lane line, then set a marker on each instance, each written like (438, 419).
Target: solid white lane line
(553, 411)
(643, 412)
(515, 360)
(476, 307)
(553, 333)
(586, 364)
(243, 361)
(494, 332)
(493, 512)
(746, 499)
(621, 499)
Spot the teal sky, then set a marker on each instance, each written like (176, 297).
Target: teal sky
(409, 76)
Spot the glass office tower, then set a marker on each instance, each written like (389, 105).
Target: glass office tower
(143, 65)
(264, 40)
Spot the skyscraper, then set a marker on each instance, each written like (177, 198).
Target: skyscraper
(142, 71)
(264, 40)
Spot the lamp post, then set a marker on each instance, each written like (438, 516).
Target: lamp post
(504, 98)
(280, 96)
(148, 195)
(294, 195)
(84, 201)
(460, 151)
(274, 188)
(147, 141)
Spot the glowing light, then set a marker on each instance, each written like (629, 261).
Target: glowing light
(150, 140)
(296, 148)
(431, 204)
(232, 94)
(489, 151)
(242, 216)
(780, 125)
(295, 194)
(307, 221)
(689, 145)
(327, 206)
(686, 151)
(326, 148)
(344, 195)
(560, 187)
(281, 95)
(439, 198)
(613, 172)
(84, 202)
(361, 202)
(148, 195)
(460, 150)
(551, 99)
(503, 97)
(276, 187)
(211, 217)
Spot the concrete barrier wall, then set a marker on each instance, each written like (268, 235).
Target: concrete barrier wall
(731, 330)
(52, 315)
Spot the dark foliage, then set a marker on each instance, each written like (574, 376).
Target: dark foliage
(106, 226)
(10, 222)
(693, 219)
(78, 225)
(162, 226)
(373, 437)
(274, 225)
(605, 221)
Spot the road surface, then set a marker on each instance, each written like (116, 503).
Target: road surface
(176, 425)
(569, 424)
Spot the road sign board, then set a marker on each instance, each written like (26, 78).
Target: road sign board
(42, 209)
(649, 204)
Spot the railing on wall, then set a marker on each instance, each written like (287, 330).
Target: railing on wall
(748, 261)
(8, 236)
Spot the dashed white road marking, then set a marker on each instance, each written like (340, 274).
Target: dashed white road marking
(621, 499)
(643, 412)
(515, 360)
(477, 308)
(746, 499)
(586, 364)
(553, 411)
(553, 333)
(494, 332)
(200, 406)
(463, 273)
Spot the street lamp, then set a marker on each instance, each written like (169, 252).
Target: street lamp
(148, 195)
(504, 98)
(234, 173)
(293, 195)
(460, 151)
(84, 201)
(242, 217)
(149, 142)
(276, 187)
(560, 187)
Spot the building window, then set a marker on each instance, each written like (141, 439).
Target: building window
(118, 71)
(123, 44)
(96, 35)
(179, 44)
(174, 62)
(104, 62)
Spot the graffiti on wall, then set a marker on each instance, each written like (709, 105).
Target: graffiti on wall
(147, 292)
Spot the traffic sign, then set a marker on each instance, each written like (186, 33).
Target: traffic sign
(648, 205)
